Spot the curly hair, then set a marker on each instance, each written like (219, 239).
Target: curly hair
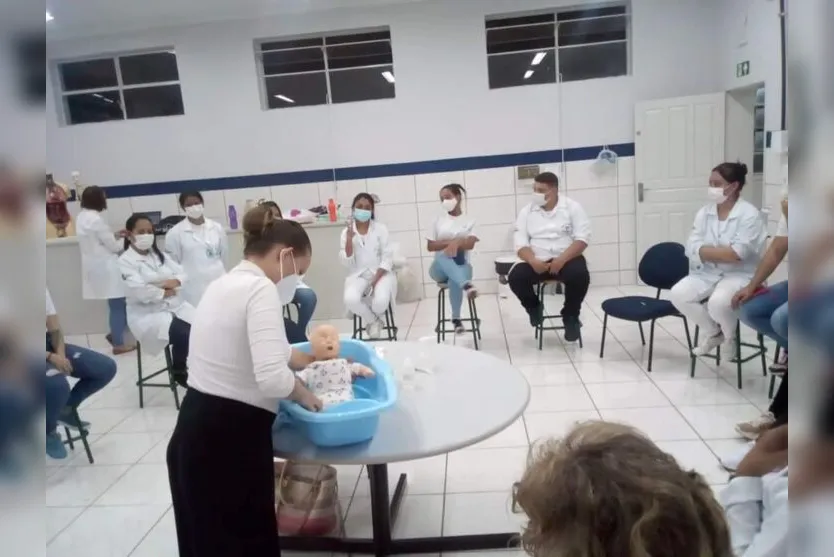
(606, 490)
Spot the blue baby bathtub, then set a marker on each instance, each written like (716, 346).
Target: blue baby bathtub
(349, 422)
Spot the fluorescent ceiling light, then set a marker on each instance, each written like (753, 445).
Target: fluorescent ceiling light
(102, 97)
(537, 59)
(527, 74)
(389, 77)
(285, 99)
(49, 16)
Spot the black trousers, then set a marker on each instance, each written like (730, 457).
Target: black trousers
(178, 333)
(222, 480)
(574, 276)
(779, 404)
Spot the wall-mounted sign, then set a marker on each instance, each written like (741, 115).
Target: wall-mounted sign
(527, 172)
(743, 68)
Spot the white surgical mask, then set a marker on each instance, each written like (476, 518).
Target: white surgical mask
(143, 241)
(287, 284)
(449, 205)
(194, 212)
(716, 195)
(538, 199)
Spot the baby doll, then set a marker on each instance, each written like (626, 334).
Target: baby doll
(330, 377)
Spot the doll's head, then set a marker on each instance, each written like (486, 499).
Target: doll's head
(324, 342)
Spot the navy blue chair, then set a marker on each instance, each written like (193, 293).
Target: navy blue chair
(661, 267)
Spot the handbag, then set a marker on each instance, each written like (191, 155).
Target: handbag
(307, 499)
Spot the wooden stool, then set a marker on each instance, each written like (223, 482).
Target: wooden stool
(443, 324)
(143, 382)
(81, 436)
(390, 327)
(760, 351)
(541, 328)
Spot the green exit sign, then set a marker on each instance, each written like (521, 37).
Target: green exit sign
(743, 68)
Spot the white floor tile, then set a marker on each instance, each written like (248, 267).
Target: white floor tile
(514, 436)
(626, 395)
(480, 513)
(158, 453)
(484, 470)
(58, 518)
(546, 425)
(106, 531)
(144, 484)
(698, 392)
(695, 455)
(104, 420)
(149, 419)
(118, 448)
(420, 516)
(659, 424)
(426, 476)
(559, 398)
(161, 541)
(531, 355)
(718, 421)
(72, 486)
(609, 371)
(552, 374)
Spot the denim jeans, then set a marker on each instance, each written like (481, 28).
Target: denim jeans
(444, 269)
(305, 299)
(93, 371)
(813, 316)
(118, 320)
(767, 313)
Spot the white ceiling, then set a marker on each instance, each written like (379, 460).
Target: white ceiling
(85, 18)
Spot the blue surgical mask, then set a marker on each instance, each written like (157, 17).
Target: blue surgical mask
(362, 215)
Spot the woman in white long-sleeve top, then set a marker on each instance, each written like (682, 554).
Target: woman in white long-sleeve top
(100, 279)
(156, 311)
(220, 455)
(365, 251)
(724, 249)
(198, 244)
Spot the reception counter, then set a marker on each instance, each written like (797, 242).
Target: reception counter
(78, 316)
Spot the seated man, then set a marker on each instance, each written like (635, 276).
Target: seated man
(92, 369)
(551, 233)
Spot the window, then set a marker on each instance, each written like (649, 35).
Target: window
(122, 87)
(758, 131)
(332, 69)
(563, 46)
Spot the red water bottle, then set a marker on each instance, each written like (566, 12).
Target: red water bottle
(331, 210)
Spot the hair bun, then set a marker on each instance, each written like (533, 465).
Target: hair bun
(742, 168)
(256, 221)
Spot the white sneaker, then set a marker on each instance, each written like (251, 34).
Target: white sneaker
(731, 461)
(374, 329)
(709, 345)
(470, 291)
(730, 350)
(754, 428)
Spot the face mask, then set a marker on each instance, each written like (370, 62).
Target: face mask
(538, 199)
(362, 215)
(449, 205)
(143, 241)
(194, 212)
(716, 195)
(287, 284)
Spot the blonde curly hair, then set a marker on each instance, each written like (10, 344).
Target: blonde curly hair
(605, 490)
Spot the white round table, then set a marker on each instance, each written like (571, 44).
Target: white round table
(466, 397)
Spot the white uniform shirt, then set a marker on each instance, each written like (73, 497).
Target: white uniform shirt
(100, 278)
(448, 227)
(782, 227)
(370, 252)
(202, 251)
(149, 313)
(238, 348)
(331, 380)
(757, 515)
(550, 233)
(744, 231)
(50, 305)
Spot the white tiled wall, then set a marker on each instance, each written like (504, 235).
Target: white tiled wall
(409, 206)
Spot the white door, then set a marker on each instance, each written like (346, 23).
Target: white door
(677, 144)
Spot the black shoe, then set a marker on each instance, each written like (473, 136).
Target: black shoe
(458, 325)
(536, 315)
(180, 377)
(572, 328)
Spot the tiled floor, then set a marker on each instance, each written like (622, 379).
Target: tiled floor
(121, 506)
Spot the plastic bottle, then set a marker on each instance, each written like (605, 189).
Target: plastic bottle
(232, 217)
(331, 210)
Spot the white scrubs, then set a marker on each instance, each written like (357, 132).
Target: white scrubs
(202, 250)
(371, 252)
(744, 231)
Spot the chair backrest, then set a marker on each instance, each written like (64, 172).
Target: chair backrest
(664, 265)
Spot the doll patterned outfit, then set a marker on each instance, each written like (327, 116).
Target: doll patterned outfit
(331, 380)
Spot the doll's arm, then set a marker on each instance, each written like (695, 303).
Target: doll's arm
(358, 370)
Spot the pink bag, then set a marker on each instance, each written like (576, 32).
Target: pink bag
(307, 500)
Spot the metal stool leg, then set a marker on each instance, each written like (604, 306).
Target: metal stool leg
(473, 318)
(140, 381)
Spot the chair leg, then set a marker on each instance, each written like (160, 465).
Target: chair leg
(651, 345)
(738, 361)
(604, 330)
(69, 438)
(688, 338)
(692, 358)
(83, 435)
(771, 387)
(642, 336)
(763, 355)
(473, 318)
(777, 353)
(139, 372)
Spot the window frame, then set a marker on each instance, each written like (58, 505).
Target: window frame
(626, 15)
(323, 45)
(120, 87)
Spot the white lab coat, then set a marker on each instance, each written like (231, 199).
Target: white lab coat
(149, 314)
(100, 276)
(550, 233)
(370, 253)
(744, 231)
(202, 251)
(757, 514)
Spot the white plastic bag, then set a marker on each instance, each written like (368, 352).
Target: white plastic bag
(301, 216)
(409, 287)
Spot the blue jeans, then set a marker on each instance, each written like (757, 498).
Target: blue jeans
(444, 269)
(118, 320)
(93, 371)
(813, 315)
(306, 301)
(767, 313)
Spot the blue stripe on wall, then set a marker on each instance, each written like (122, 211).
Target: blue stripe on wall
(361, 172)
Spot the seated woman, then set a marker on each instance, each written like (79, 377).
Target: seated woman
(450, 239)
(605, 490)
(304, 298)
(157, 313)
(724, 250)
(364, 250)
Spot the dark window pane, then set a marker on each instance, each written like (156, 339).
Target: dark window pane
(359, 37)
(30, 50)
(758, 163)
(146, 102)
(509, 70)
(90, 74)
(362, 84)
(305, 89)
(758, 141)
(149, 68)
(523, 20)
(93, 107)
(521, 38)
(292, 43)
(591, 12)
(293, 61)
(359, 55)
(759, 117)
(592, 31)
(589, 62)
